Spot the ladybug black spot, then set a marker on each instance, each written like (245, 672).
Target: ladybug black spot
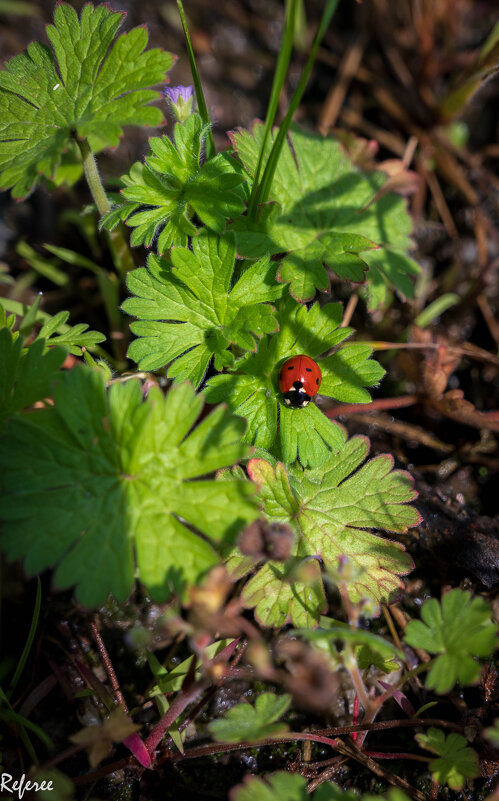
(317, 381)
(308, 369)
(291, 367)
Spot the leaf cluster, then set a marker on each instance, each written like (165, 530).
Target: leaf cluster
(163, 194)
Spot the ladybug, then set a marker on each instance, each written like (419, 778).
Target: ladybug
(299, 380)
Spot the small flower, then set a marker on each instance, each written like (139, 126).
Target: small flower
(180, 99)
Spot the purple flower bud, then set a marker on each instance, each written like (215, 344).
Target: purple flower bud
(180, 100)
(174, 92)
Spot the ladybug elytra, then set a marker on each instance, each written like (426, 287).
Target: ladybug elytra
(299, 380)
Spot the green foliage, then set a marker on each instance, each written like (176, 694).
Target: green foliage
(253, 390)
(329, 509)
(99, 475)
(458, 628)
(368, 656)
(62, 788)
(456, 762)
(284, 786)
(492, 733)
(26, 376)
(74, 338)
(326, 212)
(189, 313)
(173, 185)
(280, 786)
(88, 86)
(54, 331)
(246, 723)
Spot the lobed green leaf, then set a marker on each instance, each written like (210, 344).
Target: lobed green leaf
(103, 474)
(327, 214)
(331, 509)
(89, 85)
(283, 786)
(459, 629)
(246, 723)
(26, 376)
(189, 312)
(455, 763)
(305, 434)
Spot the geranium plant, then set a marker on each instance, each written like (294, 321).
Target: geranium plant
(161, 466)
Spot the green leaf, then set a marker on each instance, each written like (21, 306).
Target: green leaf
(163, 194)
(305, 434)
(283, 786)
(456, 761)
(330, 508)
(102, 475)
(246, 723)
(492, 733)
(367, 657)
(188, 312)
(89, 84)
(280, 786)
(327, 214)
(54, 330)
(458, 628)
(25, 376)
(74, 338)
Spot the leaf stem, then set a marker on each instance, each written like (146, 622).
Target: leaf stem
(122, 256)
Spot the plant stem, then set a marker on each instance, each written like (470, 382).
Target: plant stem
(122, 256)
(360, 689)
(108, 665)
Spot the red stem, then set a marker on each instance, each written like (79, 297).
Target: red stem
(108, 665)
(355, 718)
(374, 406)
(386, 755)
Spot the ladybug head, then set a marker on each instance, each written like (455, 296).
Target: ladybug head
(296, 398)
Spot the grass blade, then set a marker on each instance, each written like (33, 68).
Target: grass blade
(277, 84)
(31, 637)
(202, 107)
(263, 191)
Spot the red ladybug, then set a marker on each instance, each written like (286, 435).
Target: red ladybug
(299, 380)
